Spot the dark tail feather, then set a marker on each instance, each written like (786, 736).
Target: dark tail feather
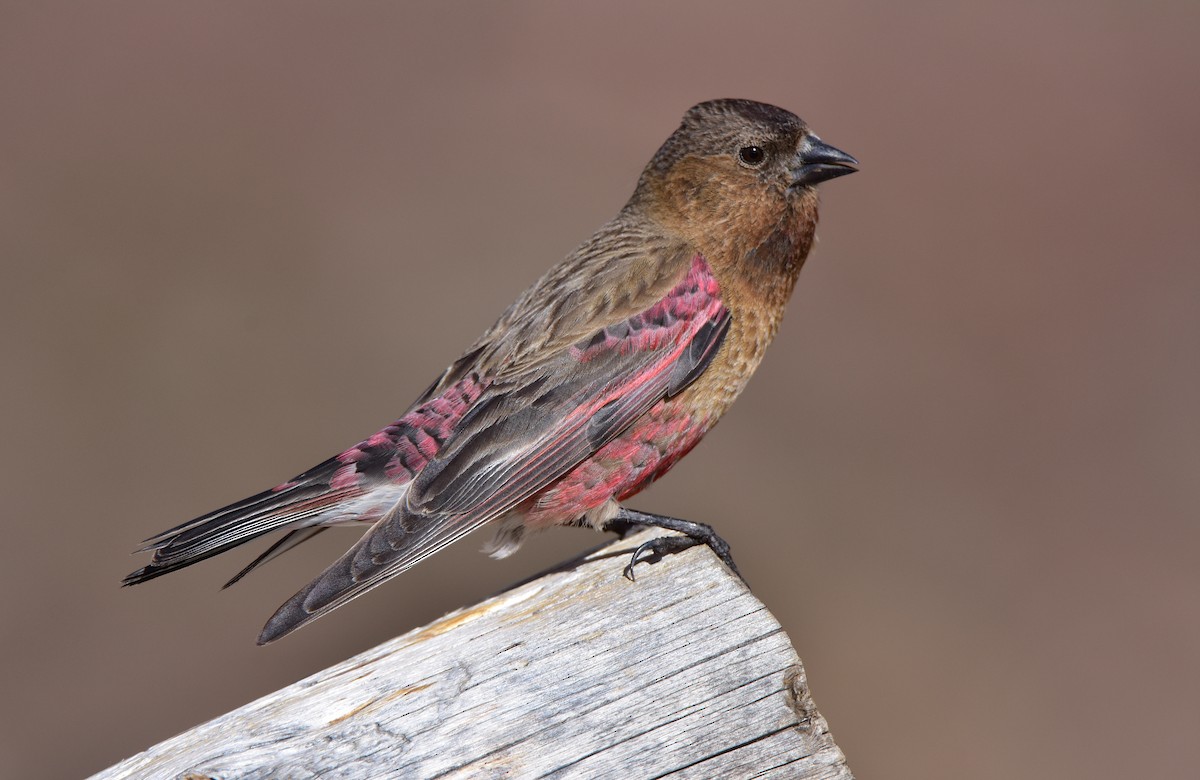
(285, 543)
(238, 523)
(396, 543)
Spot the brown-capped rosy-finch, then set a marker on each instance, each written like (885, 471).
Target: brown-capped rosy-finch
(593, 384)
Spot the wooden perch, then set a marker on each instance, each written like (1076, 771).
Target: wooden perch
(579, 673)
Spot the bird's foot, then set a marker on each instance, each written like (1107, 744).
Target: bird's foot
(652, 551)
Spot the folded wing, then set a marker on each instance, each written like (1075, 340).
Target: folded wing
(526, 430)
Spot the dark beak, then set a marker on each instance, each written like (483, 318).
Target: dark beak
(818, 162)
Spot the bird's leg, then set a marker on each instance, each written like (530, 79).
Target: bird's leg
(621, 526)
(653, 550)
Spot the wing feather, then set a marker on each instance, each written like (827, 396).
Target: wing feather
(526, 431)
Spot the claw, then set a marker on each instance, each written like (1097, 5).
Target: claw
(637, 555)
(694, 534)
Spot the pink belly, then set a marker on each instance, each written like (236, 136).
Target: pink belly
(619, 469)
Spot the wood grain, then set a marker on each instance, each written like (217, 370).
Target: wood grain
(578, 673)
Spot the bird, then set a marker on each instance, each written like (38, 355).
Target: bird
(594, 383)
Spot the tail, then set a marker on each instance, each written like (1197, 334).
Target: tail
(295, 504)
(396, 543)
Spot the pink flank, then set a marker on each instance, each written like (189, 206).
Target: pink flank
(619, 469)
(655, 442)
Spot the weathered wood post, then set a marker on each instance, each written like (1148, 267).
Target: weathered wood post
(578, 673)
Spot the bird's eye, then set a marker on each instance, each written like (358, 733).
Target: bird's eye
(752, 155)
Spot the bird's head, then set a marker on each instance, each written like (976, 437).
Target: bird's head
(738, 164)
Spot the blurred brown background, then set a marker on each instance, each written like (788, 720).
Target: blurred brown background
(237, 237)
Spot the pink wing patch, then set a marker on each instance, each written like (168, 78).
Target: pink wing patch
(399, 451)
(688, 305)
(602, 385)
